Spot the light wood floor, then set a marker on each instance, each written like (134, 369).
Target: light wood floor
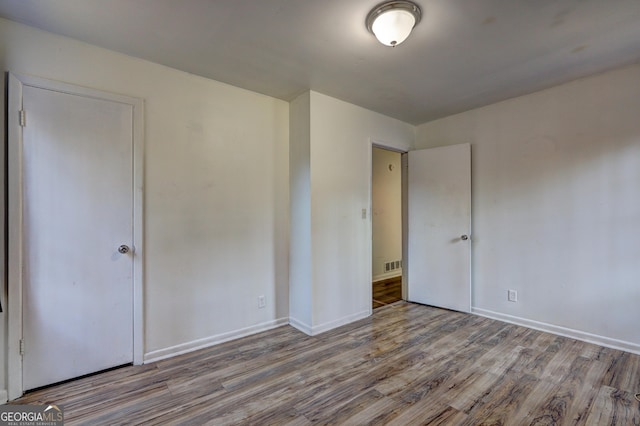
(407, 364)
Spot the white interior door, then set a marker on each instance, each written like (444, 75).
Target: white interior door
(439, 227)
(77, 194)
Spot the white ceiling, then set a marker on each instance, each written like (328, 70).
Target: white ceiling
(464, 53)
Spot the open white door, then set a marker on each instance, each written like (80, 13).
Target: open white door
(439, 227)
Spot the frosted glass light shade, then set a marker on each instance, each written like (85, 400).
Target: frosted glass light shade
(393, 27)
(391, 22)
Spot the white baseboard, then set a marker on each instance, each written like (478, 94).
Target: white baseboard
(4, 395)
(236, 334)
(561, 331)
(395, 274)
(297, 324)
(212, 340)
(321, 328)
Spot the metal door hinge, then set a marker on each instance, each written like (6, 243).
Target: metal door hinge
(21, 347)
(22, 116)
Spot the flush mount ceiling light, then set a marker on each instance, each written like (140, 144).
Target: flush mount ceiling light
(391, 22)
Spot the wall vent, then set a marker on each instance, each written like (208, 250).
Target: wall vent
(393, 265)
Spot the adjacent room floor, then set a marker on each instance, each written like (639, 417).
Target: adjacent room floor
(386, 292)
(406, 364)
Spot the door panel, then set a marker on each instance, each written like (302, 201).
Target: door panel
(439, 214)
(77, 211)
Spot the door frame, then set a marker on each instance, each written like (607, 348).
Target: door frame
(15, 261)
(402, 150)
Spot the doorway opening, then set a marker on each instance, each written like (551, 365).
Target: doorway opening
(387, 226)
(434, 226)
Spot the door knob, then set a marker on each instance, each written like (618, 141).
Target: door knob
(124, 249)
(464, 237)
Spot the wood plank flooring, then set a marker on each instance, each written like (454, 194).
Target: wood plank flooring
(386, 292)
(407, 364)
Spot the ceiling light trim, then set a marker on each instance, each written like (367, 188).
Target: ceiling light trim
(396, 5)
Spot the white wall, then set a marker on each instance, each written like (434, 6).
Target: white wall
(386, 212)
(341, 138)
(300, 282)
(216, 195)
(556, 211)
